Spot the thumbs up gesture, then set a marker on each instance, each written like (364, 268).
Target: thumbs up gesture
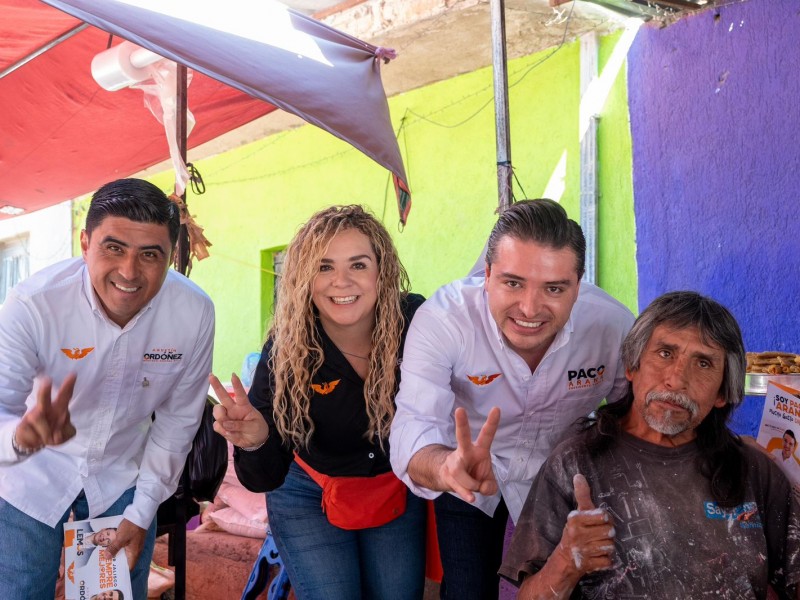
(587, 543)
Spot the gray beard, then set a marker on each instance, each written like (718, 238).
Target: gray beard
(668, 424)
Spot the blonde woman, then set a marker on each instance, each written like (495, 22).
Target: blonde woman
(314, 430)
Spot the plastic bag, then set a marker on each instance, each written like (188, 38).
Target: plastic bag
(207, 460)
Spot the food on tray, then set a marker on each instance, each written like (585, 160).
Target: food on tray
(773, 363)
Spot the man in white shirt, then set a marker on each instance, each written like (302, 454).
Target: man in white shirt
(519, 354)
(784, 456)
(125, 338)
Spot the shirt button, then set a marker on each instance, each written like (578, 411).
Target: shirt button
(372, 455)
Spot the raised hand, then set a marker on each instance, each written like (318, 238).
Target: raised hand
(235, 418)
(48, 423)
(588, 538)
(468, 468)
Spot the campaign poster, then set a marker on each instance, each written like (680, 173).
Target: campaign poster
(779, 431)
(90, 572)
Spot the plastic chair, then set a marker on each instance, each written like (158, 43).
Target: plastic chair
(259, 576)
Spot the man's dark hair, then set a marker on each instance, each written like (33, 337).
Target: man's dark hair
(134, 199)
(720, 456)
(790, 433)
(542, 221)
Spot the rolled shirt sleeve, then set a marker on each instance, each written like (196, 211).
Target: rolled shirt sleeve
(19, 364)
(425, 402)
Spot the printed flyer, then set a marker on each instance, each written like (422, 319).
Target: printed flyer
(90, 572)
(780, 430)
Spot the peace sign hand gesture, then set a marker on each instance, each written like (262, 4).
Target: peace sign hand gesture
(235, 418)
(48, 423)
(468, 468)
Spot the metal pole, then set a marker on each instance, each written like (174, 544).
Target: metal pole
(503, 136)
(588, 127)
(182, 254)
(42, 49)
(182, 497)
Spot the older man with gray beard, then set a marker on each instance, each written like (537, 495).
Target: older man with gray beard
(656, 498)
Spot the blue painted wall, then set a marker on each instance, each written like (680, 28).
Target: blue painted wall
(715, 122)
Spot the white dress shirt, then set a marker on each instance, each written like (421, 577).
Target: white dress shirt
(789, 466)
(455, 355)
(53, 324)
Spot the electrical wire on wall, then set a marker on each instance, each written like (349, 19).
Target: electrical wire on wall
(489, 87)
(410, 117)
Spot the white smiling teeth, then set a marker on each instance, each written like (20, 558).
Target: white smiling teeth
(528, 324)
(344, 299)
(124, 289)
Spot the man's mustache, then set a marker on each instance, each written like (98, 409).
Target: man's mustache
(676, 398)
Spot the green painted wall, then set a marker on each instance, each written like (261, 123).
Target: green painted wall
(258, 195)
(616, 263)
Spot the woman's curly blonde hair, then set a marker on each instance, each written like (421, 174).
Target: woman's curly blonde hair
(296, 353)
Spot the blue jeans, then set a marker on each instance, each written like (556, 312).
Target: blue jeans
(471, 548)
(30, 551)
(325, 562)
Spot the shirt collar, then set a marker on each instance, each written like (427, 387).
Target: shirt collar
(88, 292)
(491, 323)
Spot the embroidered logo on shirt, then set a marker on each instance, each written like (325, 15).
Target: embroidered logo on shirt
(746, 514)
(585, 377)
(325, 388)
(162, 355)
(76, 353)
(483, 379)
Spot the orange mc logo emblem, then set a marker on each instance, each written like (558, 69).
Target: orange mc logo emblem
(483, 379)
(71, 572)
(325, 388)
(76, 353)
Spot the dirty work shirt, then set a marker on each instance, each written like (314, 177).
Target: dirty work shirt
(52, 324)
(456, 356)
(673, 541)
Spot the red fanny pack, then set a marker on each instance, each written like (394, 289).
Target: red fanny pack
(359, 502)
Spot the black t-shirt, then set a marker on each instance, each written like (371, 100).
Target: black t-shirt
(338, 446)
(672, 540)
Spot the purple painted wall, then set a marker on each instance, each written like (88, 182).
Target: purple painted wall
(715, 123)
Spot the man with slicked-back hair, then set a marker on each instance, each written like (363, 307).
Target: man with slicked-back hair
(517, 354)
